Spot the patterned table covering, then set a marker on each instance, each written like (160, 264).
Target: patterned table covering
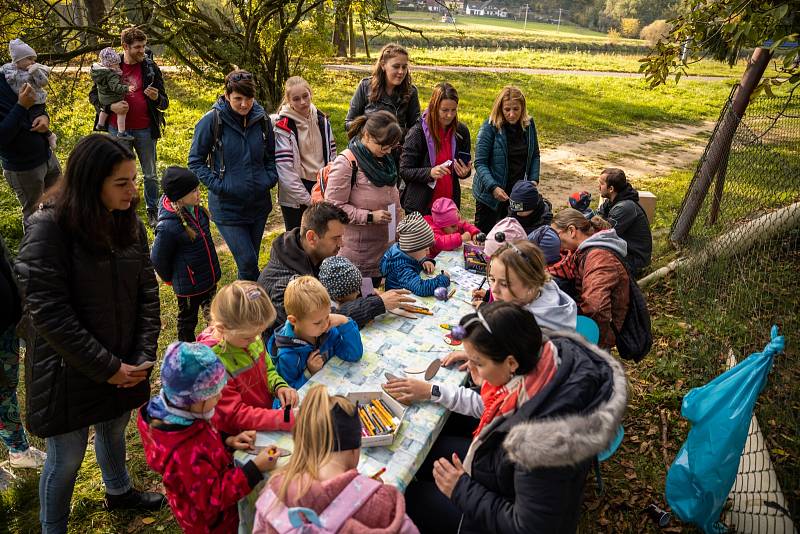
(392, 344)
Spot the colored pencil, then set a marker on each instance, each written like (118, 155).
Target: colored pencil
(377, 475)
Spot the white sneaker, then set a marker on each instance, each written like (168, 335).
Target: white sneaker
(7, 478)
(32, 458)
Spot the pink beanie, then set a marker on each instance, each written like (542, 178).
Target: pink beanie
(509, 229)
(444, 212)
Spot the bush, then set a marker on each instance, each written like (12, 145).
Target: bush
(655, 31)
(613, 36)
(630, 28)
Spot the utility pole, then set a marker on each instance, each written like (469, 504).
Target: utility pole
(525, 26)
(558, 28)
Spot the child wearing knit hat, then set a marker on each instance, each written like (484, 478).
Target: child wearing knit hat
(107, 76)
(202, 485)
(23, 70)
(450, 231)
(405, 260)
(341, 278)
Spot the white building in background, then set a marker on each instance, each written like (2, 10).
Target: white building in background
(486, 9)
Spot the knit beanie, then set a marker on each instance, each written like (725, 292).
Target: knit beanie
(177, 182)
(581, 202)
(109, 57)
(339, 276)
(505, 231)
(525, 197)
(191, 373)
(444, 212)
(19, 49)
(414, 233)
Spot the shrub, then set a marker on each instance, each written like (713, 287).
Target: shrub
(613, 36)
(629, 28)
(655, 31)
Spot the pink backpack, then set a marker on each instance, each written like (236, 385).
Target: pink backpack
(291, 520)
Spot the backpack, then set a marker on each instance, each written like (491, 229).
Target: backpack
(318, 191)
(291, 520)
(216, 145)
(635, 338)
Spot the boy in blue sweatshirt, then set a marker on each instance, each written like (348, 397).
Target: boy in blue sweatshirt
(312, 335)
(404, 261)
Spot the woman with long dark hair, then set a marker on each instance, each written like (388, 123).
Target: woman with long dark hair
(91, 324)
(436, 139)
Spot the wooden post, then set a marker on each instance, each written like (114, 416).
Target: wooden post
(719, 188)
(720, 144)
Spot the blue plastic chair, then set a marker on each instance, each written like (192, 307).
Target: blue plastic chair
(588, 329)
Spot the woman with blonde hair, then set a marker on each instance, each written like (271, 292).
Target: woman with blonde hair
(506, 152)
(322, 467)
(436, 139)
(389, 88)
(304, 144)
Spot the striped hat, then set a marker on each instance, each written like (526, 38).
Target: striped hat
(414, 233)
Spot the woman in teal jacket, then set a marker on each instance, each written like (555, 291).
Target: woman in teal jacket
(506, 152)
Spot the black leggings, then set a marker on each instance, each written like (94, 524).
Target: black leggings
(486, 217)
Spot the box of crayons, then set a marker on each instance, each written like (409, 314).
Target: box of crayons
(380, 416)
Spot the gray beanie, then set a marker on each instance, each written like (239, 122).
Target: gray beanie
(339, 276)
(414, 233)
(20, 50)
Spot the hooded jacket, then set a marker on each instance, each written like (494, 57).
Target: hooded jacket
(443, 241)
(202, 483)
(554, 309)
(20, 148)
(287, 259)
(191, 267)
(406, 111)
(630, 222)
(291, 191)
(151, 77)
(403, 272)
(86, 312)
(601, 283)
(240, 195)
(526, 472)
(110, 88)
(248, 396)
(417, 159)
(491, 162)
(383, 513)
(290, 353)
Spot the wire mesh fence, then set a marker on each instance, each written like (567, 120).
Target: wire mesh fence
(741, 276)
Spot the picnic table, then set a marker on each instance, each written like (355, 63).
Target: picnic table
(393, 344)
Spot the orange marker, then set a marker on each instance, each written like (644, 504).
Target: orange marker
(377, 475)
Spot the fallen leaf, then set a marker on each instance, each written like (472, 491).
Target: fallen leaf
(148, 520)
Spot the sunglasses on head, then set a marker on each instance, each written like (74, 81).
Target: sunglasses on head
(239, 76)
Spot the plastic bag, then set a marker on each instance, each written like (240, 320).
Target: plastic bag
(703, 473)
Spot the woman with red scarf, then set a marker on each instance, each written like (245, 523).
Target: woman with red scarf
(435, 154)
(548, 404)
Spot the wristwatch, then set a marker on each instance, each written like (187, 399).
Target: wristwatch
(435, 393)
(369, 218)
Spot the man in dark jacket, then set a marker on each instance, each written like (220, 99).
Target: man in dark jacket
(29, 166)
(145, 107)
(300, 252)
(628, 218)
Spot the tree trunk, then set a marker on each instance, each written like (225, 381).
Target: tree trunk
(351, 34)
(340, 28)
(720, 144)
(95, 13)
(364, 35)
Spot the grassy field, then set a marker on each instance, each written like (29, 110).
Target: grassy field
(566, 108)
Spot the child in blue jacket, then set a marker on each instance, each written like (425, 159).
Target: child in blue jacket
(404, 261)
(312, 335)
(183, 253)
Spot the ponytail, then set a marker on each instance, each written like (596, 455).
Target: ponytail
(382, 127)
(572, 217)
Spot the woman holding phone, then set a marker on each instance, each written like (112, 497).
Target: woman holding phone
(91, 327)
(435, 154)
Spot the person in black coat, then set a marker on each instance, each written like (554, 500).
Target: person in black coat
(436, 139)
(92, 318)
(551, 403)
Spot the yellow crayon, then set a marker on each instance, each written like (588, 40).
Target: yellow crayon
(365, 421)
(386, 418)
(386, 426)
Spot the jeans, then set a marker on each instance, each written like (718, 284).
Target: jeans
(29, 185)
(145, 147)
(11, 431)
(244, 242)
(65, 454)
(187, 313)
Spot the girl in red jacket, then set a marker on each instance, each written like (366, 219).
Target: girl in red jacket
(449, 229)
(322, 468)
(203, 486)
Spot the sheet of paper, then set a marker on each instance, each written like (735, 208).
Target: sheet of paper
(464, 278)
(392, 223)
(366, 287)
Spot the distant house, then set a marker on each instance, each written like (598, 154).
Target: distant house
(486, 9)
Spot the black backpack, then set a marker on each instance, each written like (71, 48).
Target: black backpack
(635, 338)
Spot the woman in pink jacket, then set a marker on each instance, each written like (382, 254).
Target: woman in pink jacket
(368, 194)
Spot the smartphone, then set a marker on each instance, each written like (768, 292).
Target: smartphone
(465, 157)
(144, 366)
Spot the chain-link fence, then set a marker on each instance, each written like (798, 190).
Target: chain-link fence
(741, 276)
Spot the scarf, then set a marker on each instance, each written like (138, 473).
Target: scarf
(159, 408)
(309, 141)
(503, 401)
(379, 171)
